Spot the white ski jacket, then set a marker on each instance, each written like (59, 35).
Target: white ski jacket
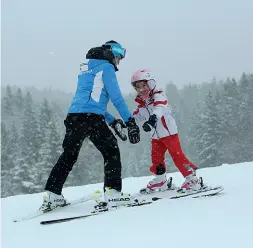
(156, 104)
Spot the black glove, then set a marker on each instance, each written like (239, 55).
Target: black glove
(133, 131)
(118, 126)
(147, 126)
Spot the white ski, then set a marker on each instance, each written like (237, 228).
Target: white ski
(203, 192)
(94, 197)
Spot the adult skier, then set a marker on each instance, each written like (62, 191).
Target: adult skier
(87, 117)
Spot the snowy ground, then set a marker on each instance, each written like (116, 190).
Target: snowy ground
(217, 222)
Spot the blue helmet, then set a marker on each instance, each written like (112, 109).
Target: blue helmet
(116, 48)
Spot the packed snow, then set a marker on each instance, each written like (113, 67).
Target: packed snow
(225, 220)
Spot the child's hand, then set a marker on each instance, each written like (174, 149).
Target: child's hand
(147, 126)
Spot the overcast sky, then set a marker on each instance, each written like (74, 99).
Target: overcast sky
(44, 41)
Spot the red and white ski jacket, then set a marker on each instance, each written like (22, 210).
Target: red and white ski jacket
(156, 104)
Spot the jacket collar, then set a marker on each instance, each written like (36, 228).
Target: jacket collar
(143, 102)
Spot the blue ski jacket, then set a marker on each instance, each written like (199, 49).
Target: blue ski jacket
(95, 87)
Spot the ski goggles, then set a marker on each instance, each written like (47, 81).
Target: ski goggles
(119, 51)
(116, 50)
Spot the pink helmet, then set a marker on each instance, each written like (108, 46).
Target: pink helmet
(144, 74)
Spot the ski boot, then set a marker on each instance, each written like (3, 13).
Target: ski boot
(158, 184)
(192, 183)
(114, 199)
(52, 201)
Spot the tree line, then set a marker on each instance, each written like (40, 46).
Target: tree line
(215, 121)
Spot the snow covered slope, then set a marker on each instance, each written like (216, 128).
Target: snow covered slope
(216, 222)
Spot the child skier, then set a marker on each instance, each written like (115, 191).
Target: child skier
(153, 108)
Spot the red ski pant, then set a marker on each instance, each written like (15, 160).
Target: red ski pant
(172, 144)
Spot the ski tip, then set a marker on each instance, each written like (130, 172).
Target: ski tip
(219, 188)
(17, 221)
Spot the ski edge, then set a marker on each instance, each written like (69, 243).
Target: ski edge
(93, 213)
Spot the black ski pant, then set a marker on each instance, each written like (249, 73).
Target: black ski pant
(78, 127)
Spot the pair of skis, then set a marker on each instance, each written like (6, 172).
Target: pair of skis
(204, 192)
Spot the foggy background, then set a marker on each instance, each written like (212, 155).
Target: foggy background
(43, 42)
